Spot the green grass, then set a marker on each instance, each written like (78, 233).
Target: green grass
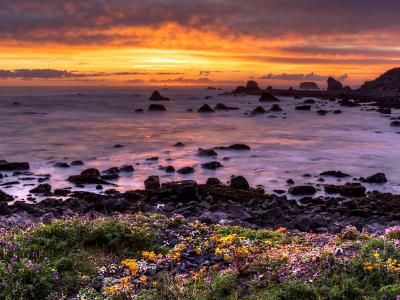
(53, 259)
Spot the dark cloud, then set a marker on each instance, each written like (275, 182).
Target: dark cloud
(181, 80)
(170, 73)
(87, 22)
(57, 74)
(332, 50)
(301, 77)
(38, 73)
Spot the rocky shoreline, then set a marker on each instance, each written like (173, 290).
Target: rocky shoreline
(218, 203)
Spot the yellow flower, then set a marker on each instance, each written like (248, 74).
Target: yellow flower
(151, 256)
(376, 255)
(144, 279)
(197, 250)
(154, 284)
(131, 264)
(280, 229)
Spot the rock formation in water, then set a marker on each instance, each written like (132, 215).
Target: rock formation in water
(388, 84)
(334, 85)
(308, 86)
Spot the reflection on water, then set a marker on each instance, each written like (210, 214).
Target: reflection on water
(57, 124)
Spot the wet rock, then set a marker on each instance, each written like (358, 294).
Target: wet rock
(213, 165)
(322, 112)
(61, 165)
(303, 107)
(337, 111)
(393, 124)
(348, 103)
(347, 190)
(267, 97)
(5, 197)
(206, 152)
(110, 176)
(14, 166)
(77, 163)
(186, 170)
(258, 110)
(179, 144)
(170, 169)
(205, 109)
(290, 181)
(139, 110)
(213, 181)
(386, 111)
(156, 96)
(221, 106)
(118, 146)
(309, 101)
(153, 158)
(62, 192)
(41, 189)
(127, 169)
(4, 209)
(275, 108)
(157, 107)
(88, 176)
(302, 190)
(337, 174)
(152, 182)
(375, 178)
(239, 182)
(234, 147)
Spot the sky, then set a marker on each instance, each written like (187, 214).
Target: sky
(196, 42)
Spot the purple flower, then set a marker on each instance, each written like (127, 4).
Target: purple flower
(55, 276)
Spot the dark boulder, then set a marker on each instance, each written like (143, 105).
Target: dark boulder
(309, 101)
(88, 176)
(127, 169)
(205, 109)
(393, 124)
(77, 163)
(239, 182)
(61, 165)
(213, 165)
(258, 110)
(5, 197)
(337, 174)
(41, 189)
(14, 166)
(251, 88)
(234, 147)
(302, 190)
(275, 108)
(352, 190)
(157, 107)
(4, 209)
(213, 181)
(186, 170)
(206, 152)
(303, 107)
(267, 97)
(156, 96)
(170, 169)
(152, 182)
(221, 106)
(322, 112)
(376, 178)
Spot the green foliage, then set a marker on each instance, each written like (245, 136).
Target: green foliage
(51, 259)
(260, 234)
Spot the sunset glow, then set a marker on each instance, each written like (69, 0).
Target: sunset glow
(190, 43)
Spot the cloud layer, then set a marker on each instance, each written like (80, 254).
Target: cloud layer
(93, 21)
